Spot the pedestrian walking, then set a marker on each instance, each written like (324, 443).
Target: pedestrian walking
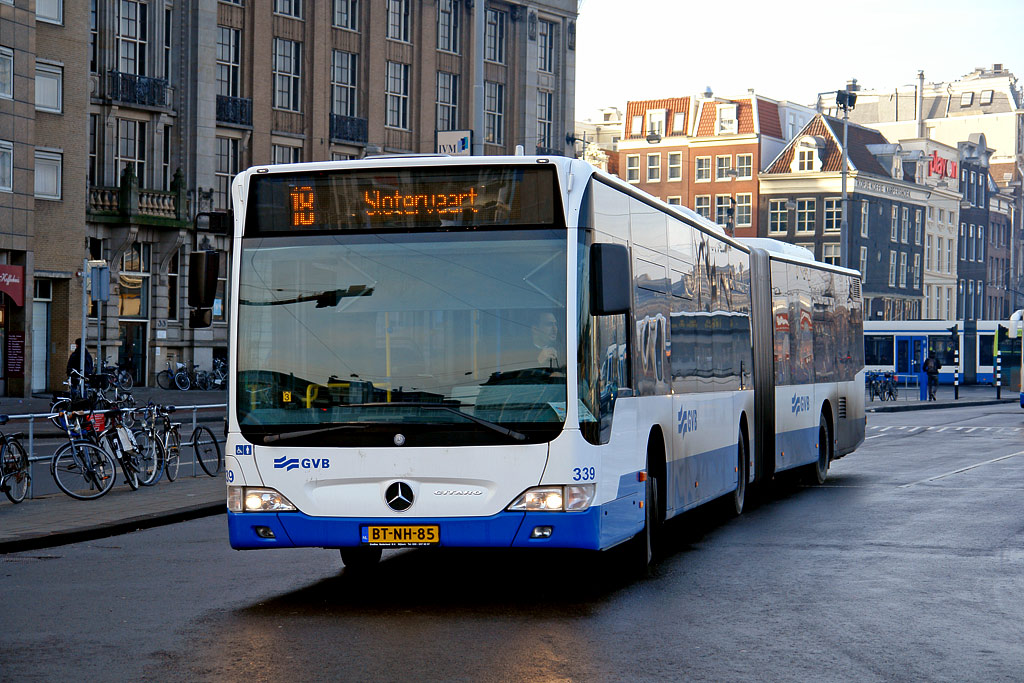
(931, 368)
(75, 361)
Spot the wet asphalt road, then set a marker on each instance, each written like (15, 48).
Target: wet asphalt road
(906, 565)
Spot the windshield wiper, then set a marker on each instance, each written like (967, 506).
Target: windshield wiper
(322, 429)
(494, 426)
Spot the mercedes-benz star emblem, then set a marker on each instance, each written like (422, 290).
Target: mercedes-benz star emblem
(399, 496)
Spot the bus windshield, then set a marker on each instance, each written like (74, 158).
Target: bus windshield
(414, 338)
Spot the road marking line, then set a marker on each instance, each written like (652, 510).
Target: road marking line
(885, 429)
(970, 429)
(962, 469)
(876, 436)
(942, 429)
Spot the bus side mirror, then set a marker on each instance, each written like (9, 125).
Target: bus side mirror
(203, 268)
(609, 279)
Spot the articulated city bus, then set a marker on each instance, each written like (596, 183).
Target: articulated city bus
(514, 352)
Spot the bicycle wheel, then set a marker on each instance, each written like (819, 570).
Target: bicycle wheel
(16, 466)
(150, 457)
(207, 451)
(59, 405)
(83, 470)
(203, 380)
(125, 379)
(182, 381)
(164, 379)
(172, 456)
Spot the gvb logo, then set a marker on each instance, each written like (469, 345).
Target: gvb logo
(687, 421)
(801, 404)
(289, 464)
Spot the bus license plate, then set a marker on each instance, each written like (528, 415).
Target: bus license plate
(402, 535)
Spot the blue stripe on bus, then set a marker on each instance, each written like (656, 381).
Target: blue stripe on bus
(700, 477)
(799, 447)
(503, 530)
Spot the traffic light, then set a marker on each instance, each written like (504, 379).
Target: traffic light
(954, 334)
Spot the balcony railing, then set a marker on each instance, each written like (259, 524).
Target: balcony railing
(550, 151)
(234, 110)
(348, 129)
(132, 89)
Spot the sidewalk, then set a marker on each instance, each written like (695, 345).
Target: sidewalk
(973, 395)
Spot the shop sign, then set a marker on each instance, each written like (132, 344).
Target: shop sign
(12, 283)
(944, 168)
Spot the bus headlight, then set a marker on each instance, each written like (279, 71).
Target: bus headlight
(246, 499)
(571, 498)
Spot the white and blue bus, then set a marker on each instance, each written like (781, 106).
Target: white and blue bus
(517, 352)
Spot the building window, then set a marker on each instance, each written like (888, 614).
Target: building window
(47, 175)
(93, 36)
(726, 119)
(986, 98)
(545, 118)
(744, 166)
(49, 87)
(917, 271)
(285, 154)
(903, 269)
(173, 271)
(494, 113)
(894, 234)
(633, 168)
(131, 37)
(892, 268)
(830, 254)
(702, 205)
(546, 46)
(675, 166)
(778, 216)
(447, 101)
(346, 14)
(979, 293)
(963, 242)
(289, 8)
(723, 208)
(494, 36)
(744, 209)
(675, 201)
(636, 126)
(229, 61)
(448, 26)
(165, 161)
(397, 94)
(287, 74)
(702, 166)
(971, 244)
(928, 252)
(654, 168)
(949, 256)
(723, 164)
(679, 123)
(225, 171)
(966, 99)
(398, 20)
(131, 148)
(168, 33)
(805, 159)
(833, 214)
(905, 236)
(981, 242)
(51, 11)
(6, 73)
(865, 215)
(93, 172)
(343, 83)
(863, 261)
(805, 215)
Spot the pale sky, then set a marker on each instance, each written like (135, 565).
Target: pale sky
(786, 49)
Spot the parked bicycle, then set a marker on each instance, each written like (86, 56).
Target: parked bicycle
(165, 378)
(185, 378)
(162, 436)
(121, 375)
(883, 385)
(15, 470)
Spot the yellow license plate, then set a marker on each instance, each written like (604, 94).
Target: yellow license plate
(402, 535)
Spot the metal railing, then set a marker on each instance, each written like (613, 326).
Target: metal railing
(348, 128)
(28, 441)
(234, 110)
(133, 89)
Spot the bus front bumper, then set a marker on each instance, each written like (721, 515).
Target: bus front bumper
(582, 530)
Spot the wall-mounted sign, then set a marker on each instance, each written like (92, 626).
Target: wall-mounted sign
(454, 142)
(12, 283)
(944, 168)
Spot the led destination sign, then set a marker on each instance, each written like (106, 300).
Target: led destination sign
(416, 198)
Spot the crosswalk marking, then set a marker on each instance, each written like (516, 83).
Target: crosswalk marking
(924, 428)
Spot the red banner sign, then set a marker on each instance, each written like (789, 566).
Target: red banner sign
(12, 283)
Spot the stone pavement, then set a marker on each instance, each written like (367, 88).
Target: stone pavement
(56, 519)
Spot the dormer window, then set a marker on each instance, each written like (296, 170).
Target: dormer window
(966, 99)
(636, 126)
(726, 119)
(678, 123)
(986, 98)
(806, 156)
(805, 159)
(656, 121)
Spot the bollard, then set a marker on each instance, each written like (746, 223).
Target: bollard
(956, 373)
(999, 374)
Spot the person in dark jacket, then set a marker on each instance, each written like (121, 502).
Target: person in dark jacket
(75, 361)
(931, 368)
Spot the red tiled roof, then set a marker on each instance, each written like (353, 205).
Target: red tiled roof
(706, 122)
(768, 119)
(640, 107)
(706, 126)
(831, 130)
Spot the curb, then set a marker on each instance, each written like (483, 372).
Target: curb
(934, 406)
(123, 526)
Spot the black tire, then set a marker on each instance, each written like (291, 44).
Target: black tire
(207, 451)
(641, 550)
(125, 379)
(164, 379)
(819, 470)
(130, 468)
(151, 457)
(18, 471)
(742, 474)
(59, 405)
(83, 483)
(172, 458)
(360, 558)
(182, 381)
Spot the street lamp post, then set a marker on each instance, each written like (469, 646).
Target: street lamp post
(845, 100)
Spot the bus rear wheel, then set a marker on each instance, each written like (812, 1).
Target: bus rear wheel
(742, 474)
(824, 451)
(360, 557)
